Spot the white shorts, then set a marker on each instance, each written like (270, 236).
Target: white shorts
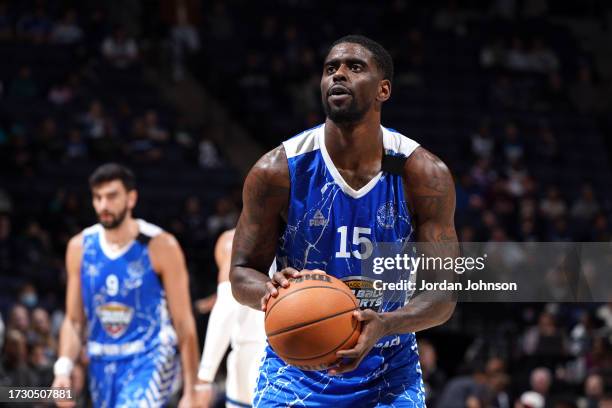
(242, 369)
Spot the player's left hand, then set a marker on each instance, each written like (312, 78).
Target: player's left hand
(372, 329)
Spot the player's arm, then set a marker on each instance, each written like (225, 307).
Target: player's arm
(265, 198)
(72, 326)
(431, 194)
(168, 260)
(224, 311)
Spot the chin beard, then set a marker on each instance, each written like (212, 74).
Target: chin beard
(116, 221)
(350, 114)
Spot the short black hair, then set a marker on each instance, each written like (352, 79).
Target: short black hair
(381, 55)
(110, 172)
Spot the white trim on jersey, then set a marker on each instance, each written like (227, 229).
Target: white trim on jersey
(146, 228)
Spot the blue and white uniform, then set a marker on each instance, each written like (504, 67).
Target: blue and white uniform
(132, 344)
(333, 227)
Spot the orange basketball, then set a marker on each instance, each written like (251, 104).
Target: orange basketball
(312, 319)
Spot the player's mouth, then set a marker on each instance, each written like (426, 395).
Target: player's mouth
(338, 93)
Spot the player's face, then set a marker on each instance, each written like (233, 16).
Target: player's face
(350, 83)
(112, 203)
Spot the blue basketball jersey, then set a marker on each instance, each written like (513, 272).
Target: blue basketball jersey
(333, 227)
(123, 297)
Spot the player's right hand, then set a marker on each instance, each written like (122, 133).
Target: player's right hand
(279, 279)
(63, 381)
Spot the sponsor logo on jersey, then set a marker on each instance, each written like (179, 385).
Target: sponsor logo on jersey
(363, 289)
(115, 318)
(386, 215)
(318, 220)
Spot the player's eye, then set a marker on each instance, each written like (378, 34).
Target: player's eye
(330, 69)
(356, 67)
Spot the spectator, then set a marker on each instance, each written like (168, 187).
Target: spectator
(224, 218)
(461, 389)
(483, 145)
(23, 87)
(512, 147)
(35, 27)
(28, 296)
(141, 148)
(94, 120)
(62, 94)
(120, 51)
(547, 147)
(67, 31)
(502, 93)
(516, 57)
(41, 366)
(19, 319)
(552, 206)
(183, 16)
(14, 370)
(195, 222)
(7, 246)
(530, 399)
(593, 392)
(76, 148)
(41, 331)
(601, 231)
(155, 132)
(540, 381)
(492, 54)
(208, 156)
(543, 59)
(544, 339)
(586, 207)
(433, 377)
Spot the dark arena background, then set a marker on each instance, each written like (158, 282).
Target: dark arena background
(515, 96)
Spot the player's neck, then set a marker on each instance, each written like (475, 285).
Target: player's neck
(124, 233)
(351, 146)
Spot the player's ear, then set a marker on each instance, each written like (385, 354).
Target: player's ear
(384, 90)
(132, 198)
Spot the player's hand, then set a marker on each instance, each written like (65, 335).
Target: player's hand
(279, 279)
(63, 381)
(204, 397)
(193, 399)
(372, 329)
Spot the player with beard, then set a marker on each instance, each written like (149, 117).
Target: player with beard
(128, 289)
(322, 200)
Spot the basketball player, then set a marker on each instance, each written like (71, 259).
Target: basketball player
(319, 201)
(232, 322)
(128, 284)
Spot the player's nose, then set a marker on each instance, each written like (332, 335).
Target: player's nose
(340, 74)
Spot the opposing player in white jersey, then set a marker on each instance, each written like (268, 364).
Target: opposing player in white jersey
(231, 322)
(128, 287)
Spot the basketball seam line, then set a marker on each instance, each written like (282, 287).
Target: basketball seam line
(300, 325)
(329, 352)
(301, 289)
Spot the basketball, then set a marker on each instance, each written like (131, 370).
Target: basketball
(311, 320)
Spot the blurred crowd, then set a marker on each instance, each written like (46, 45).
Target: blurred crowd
(520, 103)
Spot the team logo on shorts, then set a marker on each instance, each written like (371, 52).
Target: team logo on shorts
(115, 318)
(386, 215)
(363, 289)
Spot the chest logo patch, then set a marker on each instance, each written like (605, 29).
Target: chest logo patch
(386, 215)
(115, 318)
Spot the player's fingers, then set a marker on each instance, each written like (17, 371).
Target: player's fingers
(292, 272)
(264, 302)
(364, 315)
(281, 279)
(344, 367)
(271, 288)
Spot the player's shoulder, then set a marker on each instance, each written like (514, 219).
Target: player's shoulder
(226, 237)
(75, 243)
(424, 167)
(396, 143)
(304, 142)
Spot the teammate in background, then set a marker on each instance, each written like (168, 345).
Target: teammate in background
(321, 200)
(128, 287)
(231, 322)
